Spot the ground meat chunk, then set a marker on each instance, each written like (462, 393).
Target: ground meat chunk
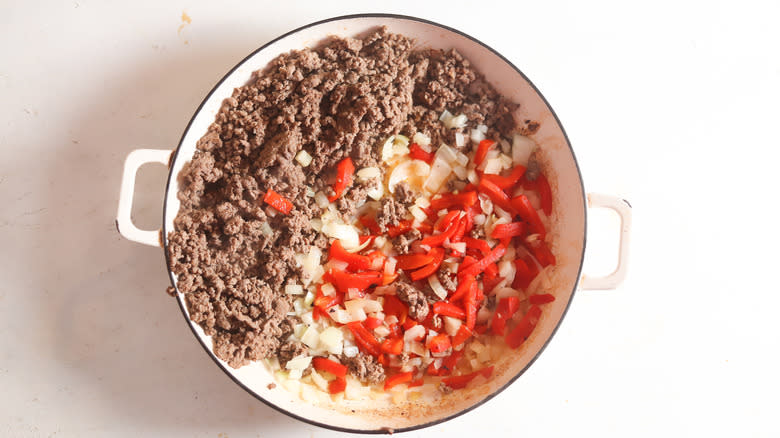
(289, 350)
(404, 194)
(352, 200)
(364, 367)
(415, 298)
(391, 214)
(402, 243)
(447, 279)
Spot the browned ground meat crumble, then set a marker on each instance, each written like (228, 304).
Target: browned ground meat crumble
(233, 254)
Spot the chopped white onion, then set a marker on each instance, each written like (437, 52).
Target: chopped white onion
(311, 337)
(414, 333)
(451, 325)
(458, 121)
(293, 289)
(461, 172)
(422, 140)
(303, 158)
(522, 148)
(418, 213)
(479, 219)
(413, 172)
(319, 380)
(440, 171)
(422, 202)
(382, 331)
(298, 363)
(436, 286)
(460, 140)
(368, 173)
(448, 154)
(445, 116)
(505, 146)
(493, 166)
(350, 351)
(472, 176)
(482, 128)
(332, 340)
(477, 135)
(506, 269)
(376, 192)
(347, 234)
(327, 290)
(321, 200)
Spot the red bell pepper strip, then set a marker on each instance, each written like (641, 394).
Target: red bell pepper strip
(360, 281)
(464, 285)
(527, 212)
(408, 262)
(513, 229)
(393, 345)
(492, 257)
(468, 261)
(463, 334)
(541, 299)
(478, 244)
(448, 200)
(491, 279)
(460, 229)
(439, 343)
(398, 379)
(383, 360)
(372, 323)
(388, 273)
(505, 309)
(523, 330)
(326, 303)
(317, 313)
(472, 306)
(345, 171)
(480, 329)
(545, 193)
(449, 363)
(446, 220)
(425, 271)
(333, 367)
(506, 182)
(425, 228)
(394, 306)
(458, 382)
(354, 261)
(337, 385)
(416, 152)
(409, 323)
(403, 227)
(523, 274)
(541, 253)
(370, 223)
(413, 383)
(278, 202)
(448, 309)
(364, 338)
(498, 196)
(482, 150)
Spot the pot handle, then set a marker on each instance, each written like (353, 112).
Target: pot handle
(124, 223)
(623, 209)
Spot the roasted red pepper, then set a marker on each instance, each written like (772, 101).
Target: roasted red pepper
(333, 367)
(463, 334)
(398, 379)
(393, 345)
(372, 323)
(278, 202)
(523, 330)
(527, 212)
(541, 253)
(345, 171)
(492, 257)
(448, 309)
(424, 272)
(509, 181)
(439, 343)
(498, 196)
(416, 152)
(394, 306)
(482, 151)
(464, 285)
(478, 244)
(458, 382)
(463, 200)
(354, 261)
(360, 281)
(541, 299)
(505, 309)
(364, 338)
(370, 223)
(413, 261)
(403, 227)
(513, 229)
(337, 385)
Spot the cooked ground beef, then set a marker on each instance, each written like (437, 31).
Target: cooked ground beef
(391, 213)
(447, 279)
(402, 243)
(415, 298)
(365, 367)
(404, 194)
(232, 253)
(289, 350)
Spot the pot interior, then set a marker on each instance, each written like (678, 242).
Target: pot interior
(568, 222)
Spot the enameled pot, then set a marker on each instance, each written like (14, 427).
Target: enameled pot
(568, 221)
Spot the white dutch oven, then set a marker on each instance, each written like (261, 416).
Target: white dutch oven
(569, 221)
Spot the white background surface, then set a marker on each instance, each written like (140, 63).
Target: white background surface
(672, 105)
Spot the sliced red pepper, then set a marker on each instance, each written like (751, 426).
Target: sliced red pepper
(398, 379)
(326, 302)
(459, 382)
(388, 273)
(506, 182)
(345, 171)
(439, 239)
(446, 220)
(463, 200)
(449, 363)
(541, 299)
(278, 202)
(354, 261)
(424, 272)
(460, 230)
(393, 345)
(331, 366)
(523, 330)
(481, 329)
(439, 343)
(370, 223)
(403, 227)
(372, 323)
(541, 253)
(512, 229)
(411, 261)
(482, 151)
(498, 196)
(545, 194)
(337, 385)
(491, 278)
(470, 302)
(464, 285)
(425, 228)
(448, 309)
(383, 360)
(468, 261)
(418, 153)
(413, 383)
(360, 281)
(317, 313)
(364, 338)
(505, 309)
(395, 307)
(432, 371)
(527, 212)
(523, 274)
(409, 323)
(492, 257)
(478, 244)
(463, 334)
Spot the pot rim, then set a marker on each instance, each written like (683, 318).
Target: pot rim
(208, 350)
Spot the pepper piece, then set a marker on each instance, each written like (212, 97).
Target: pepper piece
(523, 330)
(278, 202)
(345, 171)
(417, 153)
(448, 309)
(331, 366)
(426, 271)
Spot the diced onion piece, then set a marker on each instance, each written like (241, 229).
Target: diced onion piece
(459, 246)
(321, 199)
(436, 286)
(505, 146)
(448, 154)
(479, 219)
(458, 121)
(295, 375)
(522, 148)
(502, 214)
(445, 117)
(308, 300)
(504, 292)
(299, 362)
(316, 224)
(462, 159)
(482, 128)
(293, 289)
(451, 325)
(440, 171)
(418, 214)
(421, 139)
(332, 339)
(485, 204)
(350, 351)
(422, 202)
(506, 269)
(266, 229)
(506, 161)
(472, 176)
(319, 380)
(355, 310)
(418, 348)
(368, 173)
(460, 139)
(382, 331)
(493, 166)
(461, 172)
(376, 192)
(413, 172)
(309, 192)
(347, 234)
(303, 158)
(414, 333)
(360, 247)
(328, 290)
(477, 136)
(311, 337)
